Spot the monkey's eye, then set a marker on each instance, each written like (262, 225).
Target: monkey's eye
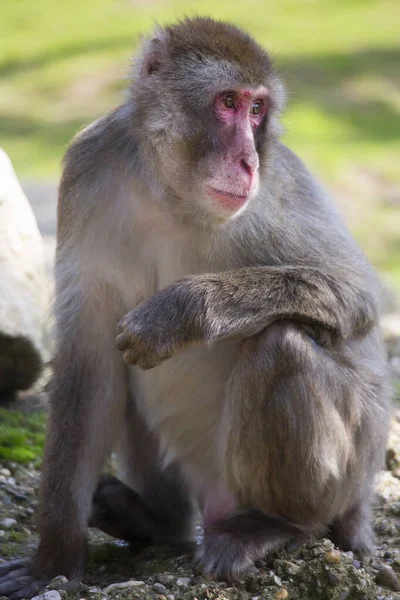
(256, 107)
(228, 101)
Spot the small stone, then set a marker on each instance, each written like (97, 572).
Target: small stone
(388, 578)
(103, 569)
(277, 581)
(2, 533)
(344, 595)
(8, 523)
(71, 587)
(50, 595)
(5, 472)
(332, 578)
(59, 580)
(3, 479)
(159, 588)
(171, 597)
(282, 594)
(333, 557)
(183, 581)
(165, 579)
(356, 564)
(123, 585)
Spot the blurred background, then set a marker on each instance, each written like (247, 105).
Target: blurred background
(62, 64)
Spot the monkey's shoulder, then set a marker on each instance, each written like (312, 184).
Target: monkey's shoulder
(100, 149)
(99, 156)
(295, 180)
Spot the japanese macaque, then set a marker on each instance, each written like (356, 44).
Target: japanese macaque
(247, 377)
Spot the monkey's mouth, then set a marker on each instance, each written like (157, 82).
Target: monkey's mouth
(227, 200)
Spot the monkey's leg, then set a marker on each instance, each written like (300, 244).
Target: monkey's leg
(353, 530)
(151, 504)
(295, 417)
(86, 408)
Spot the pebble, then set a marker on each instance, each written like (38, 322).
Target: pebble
(282, 594)
(171, 597)
(388, 578)
(356, 564)
(123, 585)
(165, 579)
(71, 587)
(183, 581)
(159, 588)
(8, 523)
(51, 595)
(59, 580)
(332, 578)
(333, 557)
(5, 472)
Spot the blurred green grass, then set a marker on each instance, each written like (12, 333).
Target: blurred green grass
(62, 64)
(21, 436)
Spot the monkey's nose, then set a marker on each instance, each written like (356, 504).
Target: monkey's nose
(250, 164)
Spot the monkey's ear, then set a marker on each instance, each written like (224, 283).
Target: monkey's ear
(154, 53)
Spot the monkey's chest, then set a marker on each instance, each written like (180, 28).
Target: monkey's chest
(182, 401)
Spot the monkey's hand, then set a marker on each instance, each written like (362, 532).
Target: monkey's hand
(163, 325)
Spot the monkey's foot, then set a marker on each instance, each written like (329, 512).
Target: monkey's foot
(221, 558)
(119, 511)
(231, 546)
(17, 580)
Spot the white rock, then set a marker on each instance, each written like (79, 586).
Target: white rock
(183, 581)
(50, 595)
(5, 472)
(8, 523)
(24, 290)
(122, 585)
(159, 588)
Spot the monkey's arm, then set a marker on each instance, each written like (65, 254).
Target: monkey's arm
(212, 307)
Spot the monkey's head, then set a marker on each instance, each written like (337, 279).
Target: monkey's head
(206, 102)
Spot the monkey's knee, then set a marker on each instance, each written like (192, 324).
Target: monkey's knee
(287, 444)
(286, 339)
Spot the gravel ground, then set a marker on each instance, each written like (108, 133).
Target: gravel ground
(312, 570)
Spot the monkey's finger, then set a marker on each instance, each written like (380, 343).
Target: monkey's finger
(121, 326)
(123, 341)
(14, 564)
(13, 584)
(13, 575)
(30, 591)
(130, 356)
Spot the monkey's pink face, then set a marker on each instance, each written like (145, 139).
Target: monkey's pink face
(234, 177)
